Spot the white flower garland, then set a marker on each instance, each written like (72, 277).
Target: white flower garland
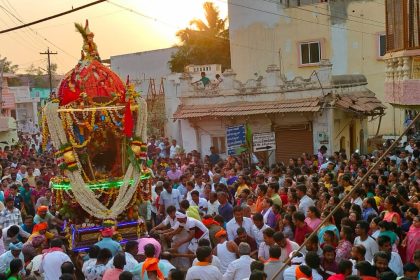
(84, 196)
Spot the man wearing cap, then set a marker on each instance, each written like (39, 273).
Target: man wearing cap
(108, 242)
(196, 231)
(290, 272)
(226, 251)
(240, 268)
(15, 252)
(10, 215)
(43, 215)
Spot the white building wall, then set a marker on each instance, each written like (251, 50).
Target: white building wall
(142, 66)
(189, 139)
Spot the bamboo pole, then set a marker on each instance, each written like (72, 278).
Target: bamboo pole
(347, 196)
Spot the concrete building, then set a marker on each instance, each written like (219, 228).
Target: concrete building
(299, 34)
(402, 81)
(143, 66)
(42, 93)
(8, 131)
(26, 108)
(304, 113)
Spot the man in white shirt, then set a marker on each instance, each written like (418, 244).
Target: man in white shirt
(52, 261)
(240, 268)
(196, 230)
(131, 250)
(12, 233)
(238, 221)
(213, 204)
(169, 225)
(203, 270)
(214, 261)
(287, 246)
(290, 272)
(304, 201)
(258, 227)
(174, 149)
(169, 197)
(198, 201)
(363, 238)
(395, 263)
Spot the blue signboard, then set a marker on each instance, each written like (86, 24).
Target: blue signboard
(235, 137)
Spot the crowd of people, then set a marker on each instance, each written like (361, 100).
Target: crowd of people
(212, 218)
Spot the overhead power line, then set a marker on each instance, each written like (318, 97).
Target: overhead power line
(51, 17)
(344, 14)
(35, 32)
(299, 19)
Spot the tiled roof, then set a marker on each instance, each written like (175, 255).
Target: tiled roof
(363, 102)
(247, 108)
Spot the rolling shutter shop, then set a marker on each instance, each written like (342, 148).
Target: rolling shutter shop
(292, 141)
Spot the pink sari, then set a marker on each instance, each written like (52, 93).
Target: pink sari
(413, 243)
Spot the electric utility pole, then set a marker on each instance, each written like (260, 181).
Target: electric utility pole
(48, 53)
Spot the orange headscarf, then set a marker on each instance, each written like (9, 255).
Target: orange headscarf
(151, 264)
(41, 209)
(209, 221)
(301, 275)
(40, 226)
(220, 233)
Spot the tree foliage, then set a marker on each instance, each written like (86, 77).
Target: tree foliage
(9, 67)
(38, 77)
(203, 42)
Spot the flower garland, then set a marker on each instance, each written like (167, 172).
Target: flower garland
(84, 196)
(66, 158)
(68, 124)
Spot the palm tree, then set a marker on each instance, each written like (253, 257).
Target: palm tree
(203, 42)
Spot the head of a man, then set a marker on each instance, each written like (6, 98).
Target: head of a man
(244, 249)
(411, 271)
(167, 186)
(132, 247)
(268, 235)
(329, 254)
(384, 243)
(381, 260)
(204, 254)
(10, 203)
(238, 213)
(119, 260)
(301, 190)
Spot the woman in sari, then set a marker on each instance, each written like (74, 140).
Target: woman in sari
(328, 225)
(392, 212)
(343, 250)
(412, 240)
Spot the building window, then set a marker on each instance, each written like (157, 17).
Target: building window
(298, 3)
(310, 53)
(381, 45)
(220, 144)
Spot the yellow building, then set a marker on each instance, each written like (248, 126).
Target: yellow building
(298, 34)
